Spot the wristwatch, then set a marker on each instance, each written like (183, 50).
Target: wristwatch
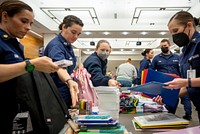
(29, 67)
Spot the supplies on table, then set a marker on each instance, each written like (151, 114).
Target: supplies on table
(153, 107)
(128, 103)
(149, 105)
(160, 121)
(108, 101)
(154, 89)
(99, 123)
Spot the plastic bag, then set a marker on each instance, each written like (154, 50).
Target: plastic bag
(86, 88)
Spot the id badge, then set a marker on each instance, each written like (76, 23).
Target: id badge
(191, 73)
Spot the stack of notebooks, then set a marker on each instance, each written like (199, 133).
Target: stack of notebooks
(99, 124)
(159, 122)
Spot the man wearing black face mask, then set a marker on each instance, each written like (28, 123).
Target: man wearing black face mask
(168, 62)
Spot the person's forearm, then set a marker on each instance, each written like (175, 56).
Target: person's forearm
(195, 82)
(10, 71)
(63, 74)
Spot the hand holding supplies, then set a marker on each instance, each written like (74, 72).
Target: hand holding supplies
(63, 63)
(155, 86)
(154, 89)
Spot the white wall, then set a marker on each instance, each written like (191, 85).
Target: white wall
(48, 38)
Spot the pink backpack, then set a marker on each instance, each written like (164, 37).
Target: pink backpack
(86, 90)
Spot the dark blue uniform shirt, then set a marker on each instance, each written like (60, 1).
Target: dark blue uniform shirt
(97, 68)
(166, 63)
(11, 51)
(59, 49)
(144, 64)
(193, 49)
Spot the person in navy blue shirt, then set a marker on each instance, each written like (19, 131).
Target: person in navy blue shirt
(16, 19)
(60, 48)
(96, 65)
(145, 63)
(168, 62)
(182, 26)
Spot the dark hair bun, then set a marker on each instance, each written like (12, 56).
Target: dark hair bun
(143, 53)
(60, 26)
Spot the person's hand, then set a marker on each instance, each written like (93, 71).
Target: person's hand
(44, 64)
(73, 87)
(113, 82)
(158, 99)
(176, 83)
(183, 92)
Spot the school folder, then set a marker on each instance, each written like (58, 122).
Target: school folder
(144, 75)
(154, 89)
(152, 75)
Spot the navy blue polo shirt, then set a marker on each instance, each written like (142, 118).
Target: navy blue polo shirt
(193, 49)
(166, 63)
(97, 68)
(59, 49)
(144, 64)
(11, 51)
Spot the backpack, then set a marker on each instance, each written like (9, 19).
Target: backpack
(86, 88)
(37, 93)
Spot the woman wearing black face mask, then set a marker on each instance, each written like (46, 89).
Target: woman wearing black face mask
(182, 26)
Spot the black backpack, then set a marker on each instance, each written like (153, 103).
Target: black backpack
(37, 93)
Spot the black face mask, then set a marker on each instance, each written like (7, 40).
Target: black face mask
(164, 49)
(181, 39)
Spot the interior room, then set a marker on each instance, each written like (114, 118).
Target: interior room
(130, 26)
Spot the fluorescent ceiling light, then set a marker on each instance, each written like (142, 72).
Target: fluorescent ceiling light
(143, 33)
(163, 33)
(106, 33)
(87, 33)
(125, 33)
